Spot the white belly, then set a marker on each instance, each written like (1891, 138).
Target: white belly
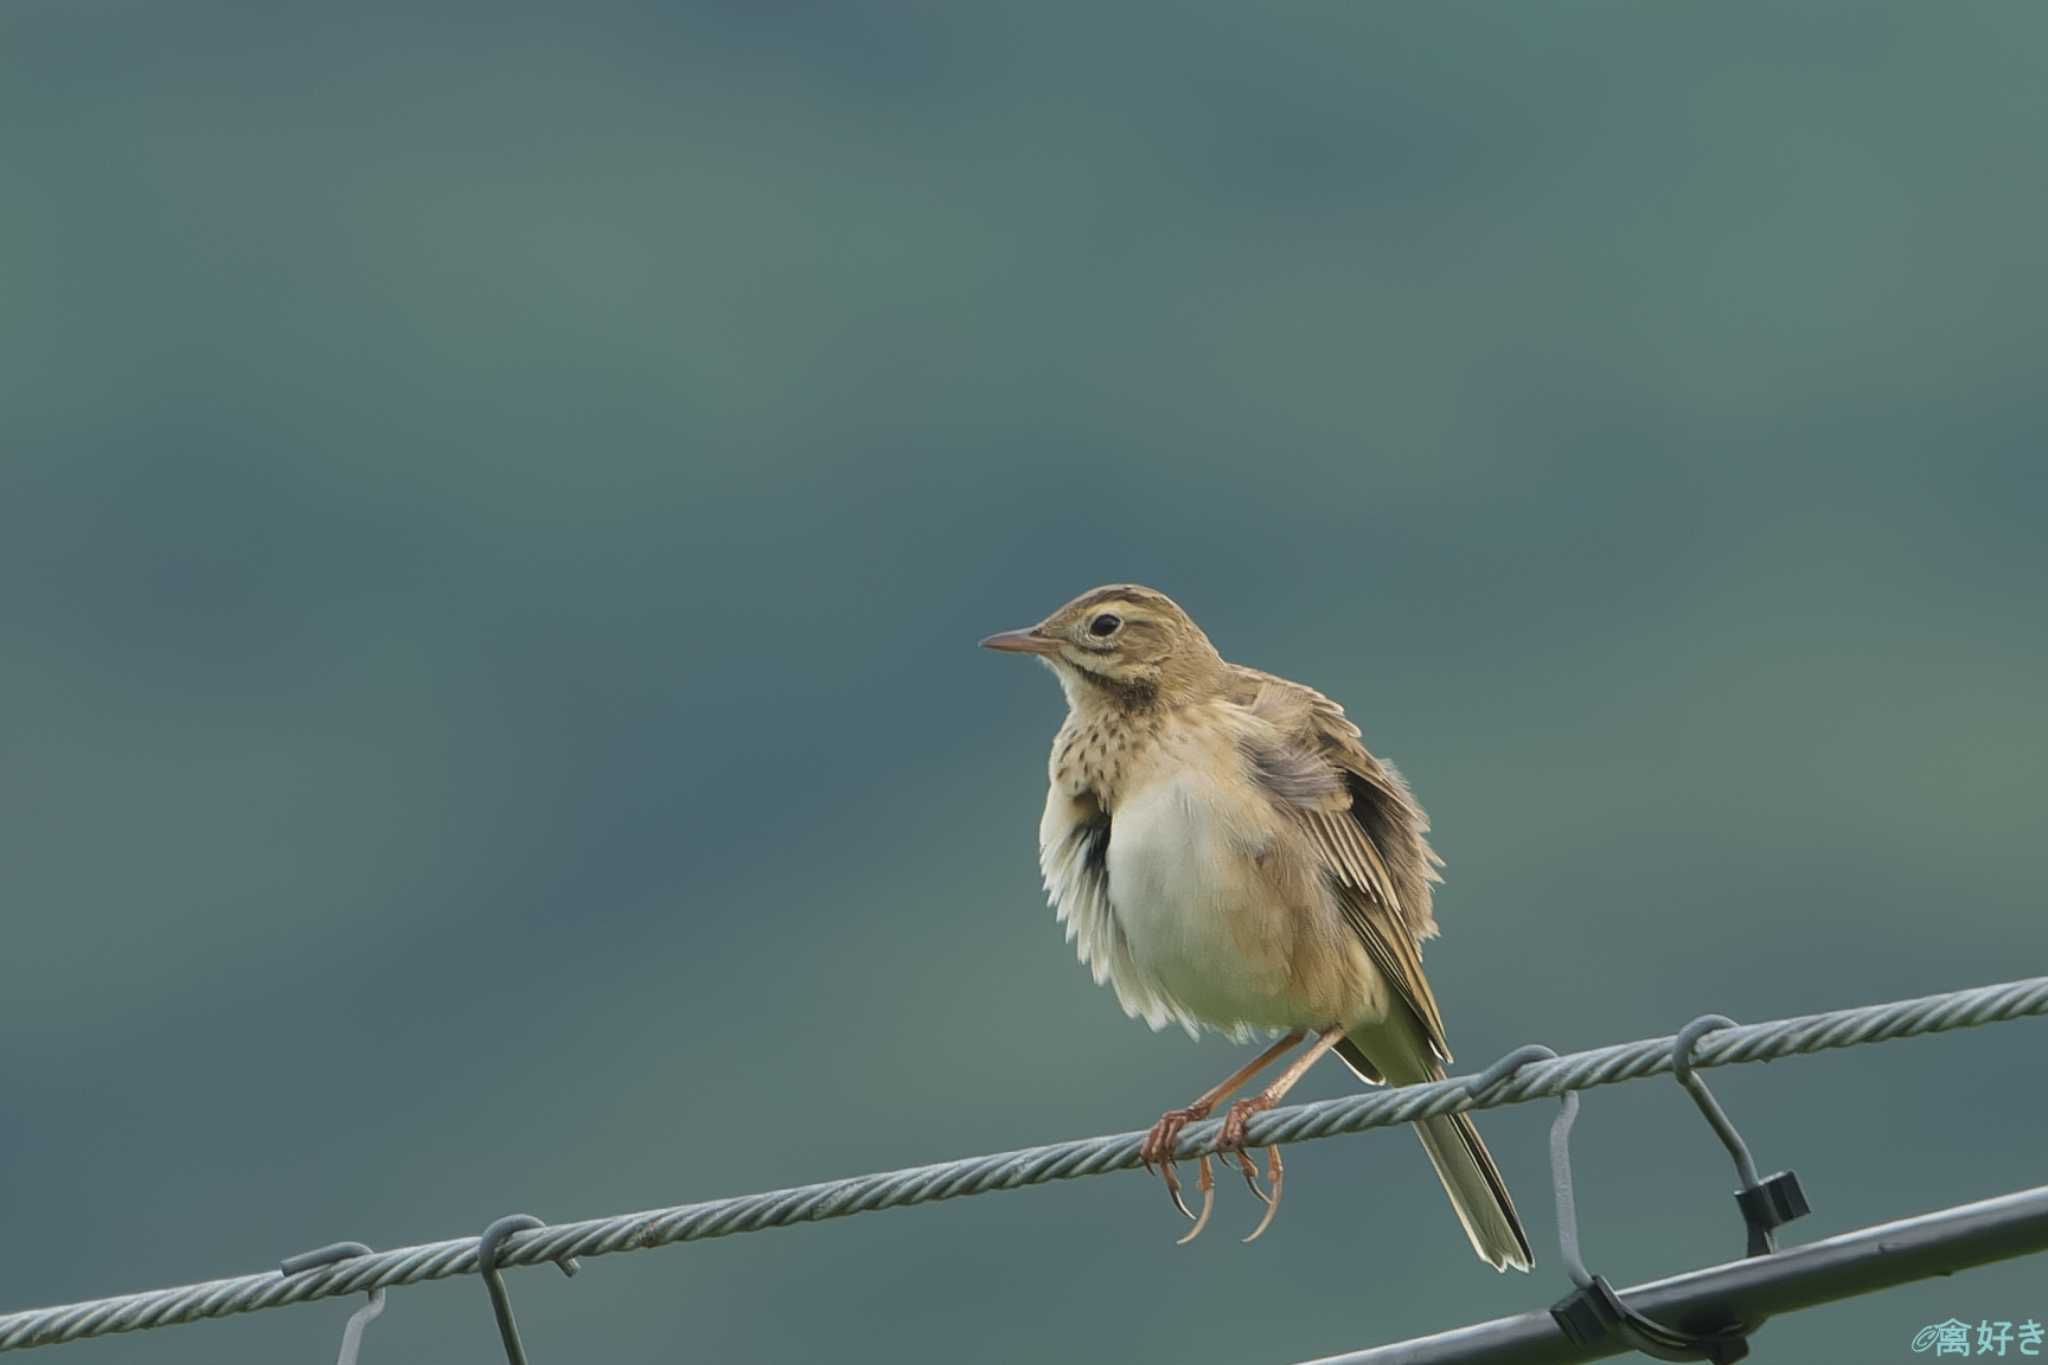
(1185, 893)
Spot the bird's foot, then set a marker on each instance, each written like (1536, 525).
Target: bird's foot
(1157, 1151)
(1232, 1141)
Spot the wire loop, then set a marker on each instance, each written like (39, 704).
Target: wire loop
(1503, 1070)
(352, 1331)
(487, 1247)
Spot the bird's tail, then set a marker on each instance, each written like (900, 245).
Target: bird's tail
(1396, 1050)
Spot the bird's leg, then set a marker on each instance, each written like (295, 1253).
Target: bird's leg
(1157, 1147)
(1231, 1139)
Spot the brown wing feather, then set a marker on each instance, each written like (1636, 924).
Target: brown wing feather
(1365, 826)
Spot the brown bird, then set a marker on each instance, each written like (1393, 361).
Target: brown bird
(1225, 854)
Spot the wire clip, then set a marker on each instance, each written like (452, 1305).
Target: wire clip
(1767, 1204)
(1593, 1312)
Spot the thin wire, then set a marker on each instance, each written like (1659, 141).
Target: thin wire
(1014, 1170)
(352, 1333)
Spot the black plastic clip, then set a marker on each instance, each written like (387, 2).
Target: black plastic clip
(1593, 1312)
(352, 1334)
(494, 1279)
(1766, 1203)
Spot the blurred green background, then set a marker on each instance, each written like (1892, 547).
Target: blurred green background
(496, 506)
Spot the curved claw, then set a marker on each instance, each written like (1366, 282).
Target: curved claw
(1276, 1175)
(1206, 1183)
(1251, 1176)
(1168, 1170)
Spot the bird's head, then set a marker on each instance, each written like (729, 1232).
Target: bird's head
(1123, 644)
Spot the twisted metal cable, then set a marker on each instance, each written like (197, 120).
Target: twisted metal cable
(1014, 1170)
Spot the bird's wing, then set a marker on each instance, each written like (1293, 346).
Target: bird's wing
(1367, 830)
(1073, 856)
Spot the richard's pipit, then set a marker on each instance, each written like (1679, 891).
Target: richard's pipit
(1225, 853)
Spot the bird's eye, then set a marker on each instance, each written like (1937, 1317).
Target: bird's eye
(1104, 625)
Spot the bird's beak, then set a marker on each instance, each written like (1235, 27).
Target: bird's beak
(1022, 642)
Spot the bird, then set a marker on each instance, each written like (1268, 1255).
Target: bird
(1226, 855)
